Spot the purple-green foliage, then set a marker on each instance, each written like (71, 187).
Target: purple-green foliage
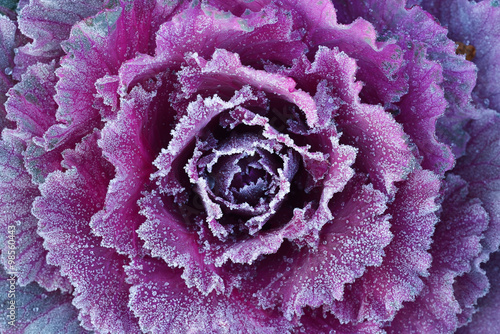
(266, 166)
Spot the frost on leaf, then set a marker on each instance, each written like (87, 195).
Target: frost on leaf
(19, 226)
(128, 149)
(480, 168)
(203, 29)
(97, 46)
(384, 152)
(174, 239)
(441, 306)
(36, 310)
(199, 113)
(352, 241)
(381, 291)
(68, 201)
(486, 321)
(32, 107)
(164, 304)
(7, 43)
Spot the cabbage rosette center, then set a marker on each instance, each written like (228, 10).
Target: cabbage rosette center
(251, 163)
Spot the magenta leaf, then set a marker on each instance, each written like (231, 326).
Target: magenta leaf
(250, 166)
(383, 149)
(431, 70)
(439, 307)
(118, 222)
(168, 235)
(486, 321)
(198, 114)
(348, 244)
(381, 291)
(464, 20)
(218, 30)
(97, 47)
(164, 304)
(95, 272)
(480, 168)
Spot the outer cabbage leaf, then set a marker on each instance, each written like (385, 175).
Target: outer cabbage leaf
(16, 195)
(36, 310)
(32, 107)
(129, 149)
(486, 320)
(383, 150)
(164, 304)
(7, 43)
(95, 48)
(480, 168)
(475, 24)
(210, 29)
(432, 68)
(47, 24)
(441, 307)
(96, 272)
(381, 291)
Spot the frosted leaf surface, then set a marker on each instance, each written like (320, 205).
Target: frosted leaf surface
(37, 311)
(164, 304)
(353, 240)
(455, 251)
(16, 195)
(172, 237)
(265, 168)
(431, 67)
(97, 47)
(31, 104)
(48, 23)
(320, 322)
(481, 169)
(430, 58)
(126, 147)
(475, 24)
(486, 321)
(88, 59)
(68, 202)
(381, 291)
(203, 29)
(7, 43)
(226, 68)
(32, 107)
(449, 129)
(379, 62)
(239, 7)
(383, 148)
(247, 152)
(198, 114)
(107, 89)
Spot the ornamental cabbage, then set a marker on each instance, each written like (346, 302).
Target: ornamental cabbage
(265, 166)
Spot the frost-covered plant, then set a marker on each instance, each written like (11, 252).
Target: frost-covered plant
(266, 166)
